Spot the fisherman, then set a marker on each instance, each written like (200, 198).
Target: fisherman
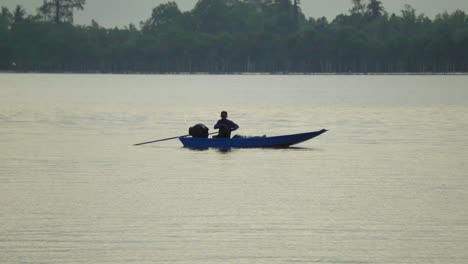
(225, 126)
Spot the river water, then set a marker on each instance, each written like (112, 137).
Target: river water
(387, 184)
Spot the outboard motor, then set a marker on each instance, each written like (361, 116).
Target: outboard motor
(199, 131)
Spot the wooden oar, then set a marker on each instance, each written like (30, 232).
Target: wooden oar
(166, 139)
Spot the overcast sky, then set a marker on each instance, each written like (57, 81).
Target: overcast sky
(111, 13)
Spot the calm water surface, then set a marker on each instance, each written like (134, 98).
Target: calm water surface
(387, 184)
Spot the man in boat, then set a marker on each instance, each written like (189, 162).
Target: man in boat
(225, 126)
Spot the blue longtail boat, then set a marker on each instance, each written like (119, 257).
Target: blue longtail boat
(249, 142)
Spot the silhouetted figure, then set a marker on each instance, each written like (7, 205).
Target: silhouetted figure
(225, 126)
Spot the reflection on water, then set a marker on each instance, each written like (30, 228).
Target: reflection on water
(387, 184)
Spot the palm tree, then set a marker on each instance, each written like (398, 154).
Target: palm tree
(375, 8)
(18, 14)
(296, 12)
(359, 8)
(60, 10)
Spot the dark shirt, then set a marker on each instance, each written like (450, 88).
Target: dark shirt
(233, 126)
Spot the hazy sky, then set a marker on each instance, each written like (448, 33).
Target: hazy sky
(122, 12)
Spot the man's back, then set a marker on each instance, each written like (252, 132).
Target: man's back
(225, 126)
(226, 122)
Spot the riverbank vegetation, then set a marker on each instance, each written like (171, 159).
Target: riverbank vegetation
(232, 36)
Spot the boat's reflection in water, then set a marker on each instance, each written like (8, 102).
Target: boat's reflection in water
(220, 150)
(229, 150)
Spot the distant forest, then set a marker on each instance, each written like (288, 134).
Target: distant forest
(233, 36)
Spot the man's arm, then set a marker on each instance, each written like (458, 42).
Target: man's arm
(217, 125)
(234, 126)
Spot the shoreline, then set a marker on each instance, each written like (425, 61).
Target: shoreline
(251, 73)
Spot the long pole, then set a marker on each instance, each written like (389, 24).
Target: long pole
(166, 139)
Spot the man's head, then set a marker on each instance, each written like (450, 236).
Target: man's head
(224, 115)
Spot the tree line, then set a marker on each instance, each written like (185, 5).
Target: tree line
(230, 36)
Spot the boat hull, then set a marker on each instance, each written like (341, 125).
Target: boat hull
(253, 142)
